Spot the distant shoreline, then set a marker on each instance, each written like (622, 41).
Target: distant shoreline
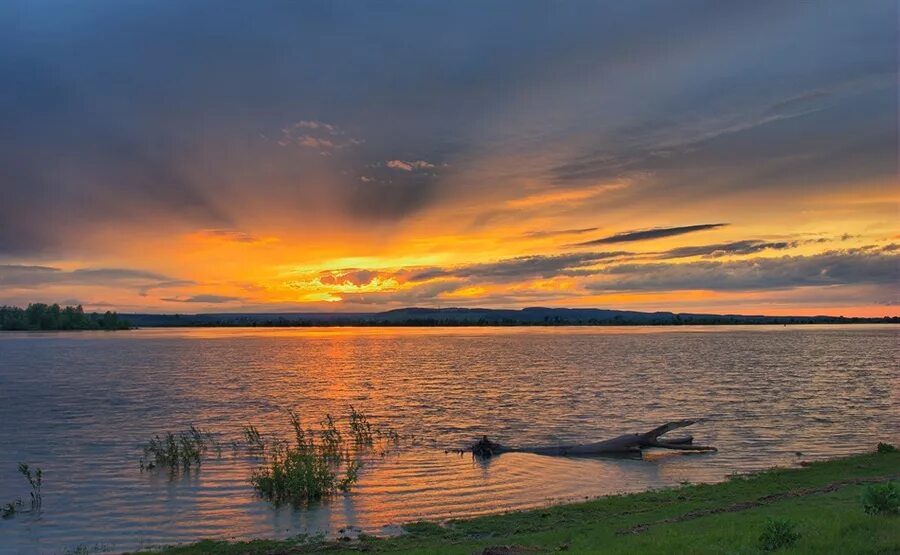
(74, 319)
(483, 317)
(318, 325)
(489, 325)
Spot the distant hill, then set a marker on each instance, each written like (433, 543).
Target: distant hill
(536, 316)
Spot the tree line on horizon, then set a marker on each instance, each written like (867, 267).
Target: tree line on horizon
(40, 316)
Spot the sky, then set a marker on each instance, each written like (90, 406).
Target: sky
(198, 156)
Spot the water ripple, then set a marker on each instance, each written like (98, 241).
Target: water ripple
(79, 405)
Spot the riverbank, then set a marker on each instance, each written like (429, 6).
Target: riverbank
(822, 501)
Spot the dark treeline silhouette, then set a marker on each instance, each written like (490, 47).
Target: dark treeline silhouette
(40, 316)
(537, 316)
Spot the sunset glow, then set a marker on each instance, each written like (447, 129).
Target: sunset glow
(599, 160)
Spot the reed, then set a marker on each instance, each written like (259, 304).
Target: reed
(10, 510)
(253, 438)
(360, 428)
(178, 451)
(35, 480)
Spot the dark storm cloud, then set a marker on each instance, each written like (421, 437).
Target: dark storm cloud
(646, 234)
(853, 267)
(723, 249)
(28, 277)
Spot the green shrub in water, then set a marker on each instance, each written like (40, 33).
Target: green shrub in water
(881, 499)
(778, 533)
(310, 469)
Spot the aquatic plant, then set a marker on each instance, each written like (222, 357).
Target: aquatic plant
(86, 549)
(308, 470)
(351, 475)
(9, 510)
(881, 499)
(35, 480)
(300, 436)
(253, 438)
(778, 533)
(184, 450)
(331, 440)
(360, 428)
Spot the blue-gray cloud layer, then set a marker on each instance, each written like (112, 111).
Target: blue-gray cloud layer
(858, 266)
(112, 112)
(210, 299)
(647, 234)
(33, 277)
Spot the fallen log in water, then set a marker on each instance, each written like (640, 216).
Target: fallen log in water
(623, 444)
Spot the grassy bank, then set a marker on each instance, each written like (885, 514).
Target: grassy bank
(820, 505)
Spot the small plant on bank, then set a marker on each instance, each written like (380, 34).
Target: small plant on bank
(885, 448)
(881, 499)
(778, 533)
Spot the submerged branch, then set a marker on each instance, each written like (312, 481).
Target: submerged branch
(623, 444)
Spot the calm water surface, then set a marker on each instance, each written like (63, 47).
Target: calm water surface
(80, 405)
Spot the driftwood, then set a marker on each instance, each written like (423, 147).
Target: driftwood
(621, 445)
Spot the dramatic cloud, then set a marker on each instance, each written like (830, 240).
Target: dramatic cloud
(830, 268)
(28, 277)
(409, 166)
(128, 128)
(316, 135)
(394, 189)
(724, 249)
(231, 235)
(646, 234)
(558, 232)
(211, 299)
(354, 277)
(523, 267)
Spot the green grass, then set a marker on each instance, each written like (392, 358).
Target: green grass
(823, 503)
